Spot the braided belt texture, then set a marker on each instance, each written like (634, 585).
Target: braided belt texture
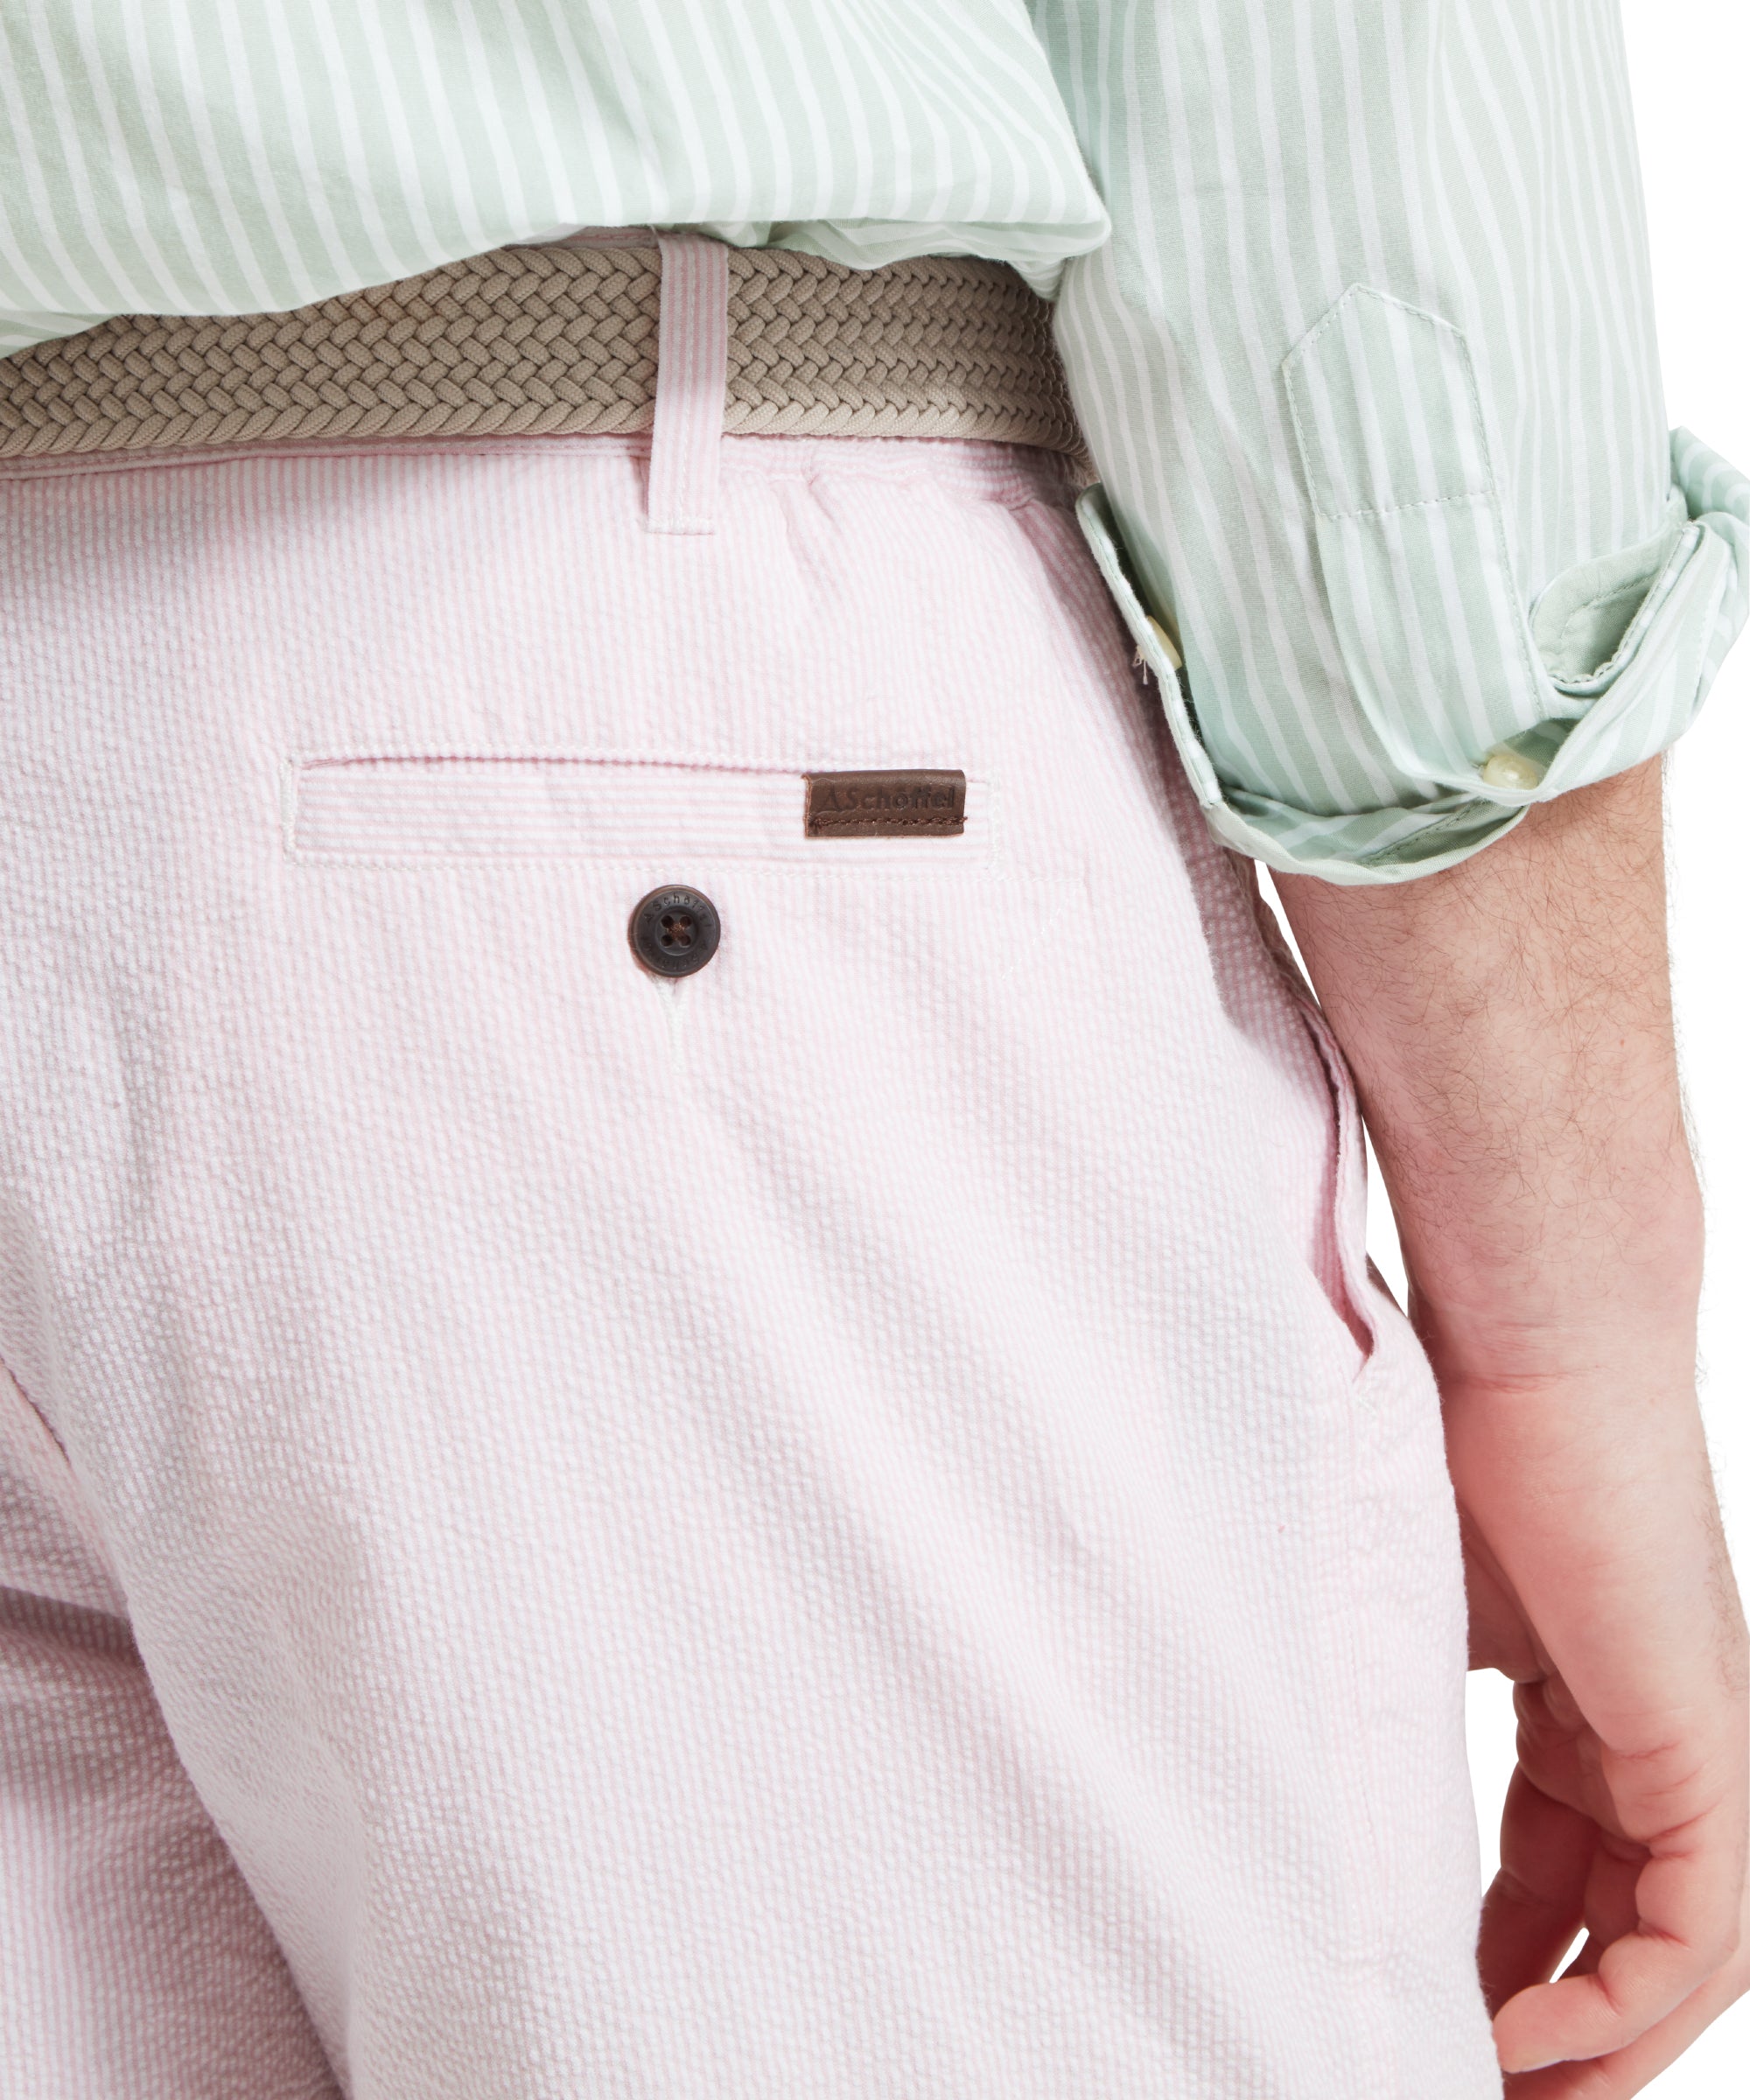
(530, 340)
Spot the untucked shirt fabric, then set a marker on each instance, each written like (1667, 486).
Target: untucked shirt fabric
(1353, 296)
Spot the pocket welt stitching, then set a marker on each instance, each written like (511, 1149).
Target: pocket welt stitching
(428, 808)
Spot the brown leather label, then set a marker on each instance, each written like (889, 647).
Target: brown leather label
(885, 805)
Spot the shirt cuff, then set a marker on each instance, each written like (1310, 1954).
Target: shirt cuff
(1607, 666)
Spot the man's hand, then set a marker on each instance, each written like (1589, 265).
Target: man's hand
(1625, 1816)
(1596, 1802)
(1510, 1030)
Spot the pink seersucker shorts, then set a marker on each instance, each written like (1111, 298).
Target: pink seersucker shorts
(844, 1522)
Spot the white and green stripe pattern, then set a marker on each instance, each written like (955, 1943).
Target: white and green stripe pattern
(1355, 309)
(1370, 373)
(236, 156)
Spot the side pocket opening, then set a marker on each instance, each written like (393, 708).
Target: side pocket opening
(1347, 1218)
(1349, 1195)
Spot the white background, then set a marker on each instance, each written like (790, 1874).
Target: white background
(1689, 64)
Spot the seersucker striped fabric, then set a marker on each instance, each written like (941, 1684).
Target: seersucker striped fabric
(1383, 252)
(851, 1525)
(414, 808)
(692, 380)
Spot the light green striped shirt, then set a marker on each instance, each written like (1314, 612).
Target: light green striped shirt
(1352, 296)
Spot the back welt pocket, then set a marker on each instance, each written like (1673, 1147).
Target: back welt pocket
(424, 808)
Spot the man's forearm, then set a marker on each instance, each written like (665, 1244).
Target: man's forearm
(1509, 1025)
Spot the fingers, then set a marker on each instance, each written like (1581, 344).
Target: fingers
(1536, 1904)
(1626, 2071)
(1611, 1910)
(1689, 1898)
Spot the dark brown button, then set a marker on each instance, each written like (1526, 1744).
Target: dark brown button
(674, 932)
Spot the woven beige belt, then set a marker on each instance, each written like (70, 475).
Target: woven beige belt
(532, 340)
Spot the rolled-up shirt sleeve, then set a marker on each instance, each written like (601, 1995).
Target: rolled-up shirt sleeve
(1369, 375)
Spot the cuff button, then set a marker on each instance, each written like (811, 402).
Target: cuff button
(1503, 767)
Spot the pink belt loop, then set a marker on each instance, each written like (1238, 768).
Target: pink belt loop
(692, 377)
